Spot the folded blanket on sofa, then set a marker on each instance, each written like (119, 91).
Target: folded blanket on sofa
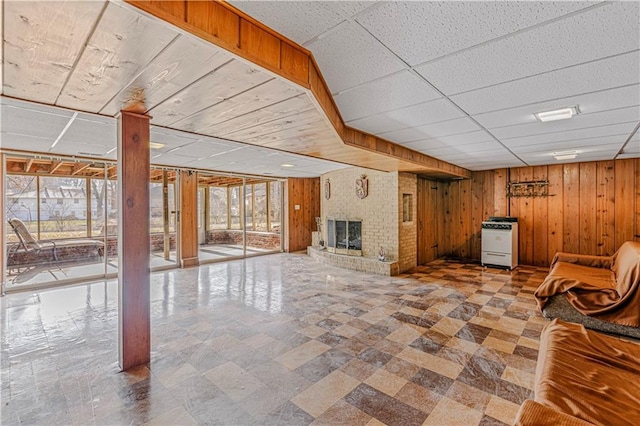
(607, 288)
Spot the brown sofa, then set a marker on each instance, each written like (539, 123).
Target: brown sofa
(601, 292)
(583, 377)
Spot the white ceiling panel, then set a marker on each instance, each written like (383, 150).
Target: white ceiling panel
(622, 115)
(301, 21)
(33, 122)
(603, 152)
(422, 31)
(478, 163)
(466, 138)
(472, 148)
(93, 130)
(366, 57)
(597, 33)
(412, 116)
(599, 75)
(86, 150)
(593, 102)
(444, 128)
(571, 145)
(602, 131)
(388, 93)
(24, 142)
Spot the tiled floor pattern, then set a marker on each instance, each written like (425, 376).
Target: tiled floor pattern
(280, 340)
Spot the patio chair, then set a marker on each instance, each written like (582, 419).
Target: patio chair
(29, 244)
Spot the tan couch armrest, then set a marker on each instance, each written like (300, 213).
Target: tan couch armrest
(532, 413)
(583, 260)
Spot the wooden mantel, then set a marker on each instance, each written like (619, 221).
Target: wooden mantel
(229, 28)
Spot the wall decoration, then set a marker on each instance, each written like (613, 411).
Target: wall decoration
(327, 189)
(362, 187)
(537, 188)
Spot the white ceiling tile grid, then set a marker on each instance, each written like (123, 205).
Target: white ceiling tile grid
(597, 33)
(429, 131)
(412, 116)
(349, 56)
(604, 100)
(389, 93)
(586, 78)
(422, 31)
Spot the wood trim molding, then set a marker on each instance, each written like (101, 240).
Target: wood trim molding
(231, 29)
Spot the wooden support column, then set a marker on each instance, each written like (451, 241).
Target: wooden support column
(133, 240)
(188, 218)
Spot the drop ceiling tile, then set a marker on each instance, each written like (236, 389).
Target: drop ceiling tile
(93, 130)
(25, 142)
(440, 28)
(570, 145)
(32, 122)
(424, 145)
(480, 148)
(599, 75)
(301, 21)
(345, 65)
(602, 131)
(171, 159)
(85, 150)
(455, 155)
(604, 152)
(622, 115)
(389, 93)
(497, 163)
(600, 32)
(589, 103)
(411, 116)
(466, 138)
(444, 128)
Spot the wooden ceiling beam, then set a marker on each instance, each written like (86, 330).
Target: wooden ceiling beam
(229, 28)
(27, 167)
(55, 166)
(77, 168)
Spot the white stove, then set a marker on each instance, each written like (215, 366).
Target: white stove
(500, 242)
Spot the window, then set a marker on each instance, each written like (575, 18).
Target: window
(275, 206)
(260, 206)
(248, 207)
(234, 195)
(407, 207)
(217, 208)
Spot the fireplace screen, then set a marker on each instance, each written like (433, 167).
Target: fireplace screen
(344, 236)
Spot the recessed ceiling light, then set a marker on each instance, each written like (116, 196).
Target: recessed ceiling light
(565, 155)
(557, 114)
(156, 145)
(287, 165)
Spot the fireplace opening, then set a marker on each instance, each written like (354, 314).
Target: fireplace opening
(344, 236)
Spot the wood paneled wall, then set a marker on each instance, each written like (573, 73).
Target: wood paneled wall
(593, 207)
(304, 193)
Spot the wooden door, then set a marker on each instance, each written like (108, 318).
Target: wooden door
(427, 226)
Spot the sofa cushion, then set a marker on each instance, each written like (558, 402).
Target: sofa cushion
(588, 375)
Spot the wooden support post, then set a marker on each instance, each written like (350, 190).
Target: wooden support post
(188, 218)
(134, 323)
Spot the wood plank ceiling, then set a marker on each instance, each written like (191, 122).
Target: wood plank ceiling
(103, 56)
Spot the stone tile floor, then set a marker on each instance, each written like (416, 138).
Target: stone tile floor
(280, 340)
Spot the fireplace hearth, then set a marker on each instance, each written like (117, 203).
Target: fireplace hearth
(344, 236)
